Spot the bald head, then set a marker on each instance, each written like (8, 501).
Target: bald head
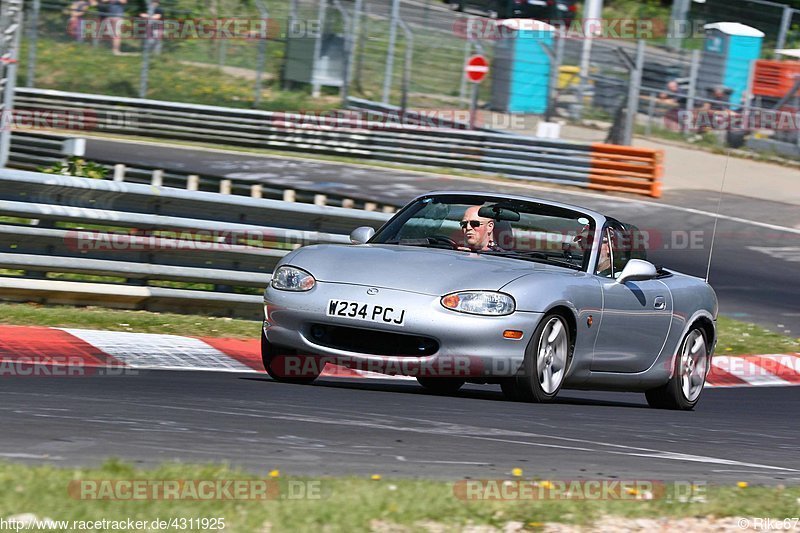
(476, 238)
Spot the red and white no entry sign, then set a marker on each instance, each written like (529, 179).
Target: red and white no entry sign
(476, 69)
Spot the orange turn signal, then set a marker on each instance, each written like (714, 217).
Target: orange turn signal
(512, 334)
(451, 301)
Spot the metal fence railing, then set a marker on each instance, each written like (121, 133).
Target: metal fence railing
(525, 158)
(37, 151)
(85, 241)
(310, 54)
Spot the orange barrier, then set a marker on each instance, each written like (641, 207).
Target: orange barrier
(626, 169)
(774, 78)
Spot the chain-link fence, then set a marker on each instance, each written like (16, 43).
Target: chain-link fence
(224, 53)
(292, 55)
(779, 22)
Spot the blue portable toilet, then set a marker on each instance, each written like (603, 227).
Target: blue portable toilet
(521, 69)
(729, 49)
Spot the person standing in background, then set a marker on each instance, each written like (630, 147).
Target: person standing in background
(115, 10)
(77, 10)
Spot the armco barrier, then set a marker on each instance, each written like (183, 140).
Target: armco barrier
(35, 150)
(95, 242)
(513, 156)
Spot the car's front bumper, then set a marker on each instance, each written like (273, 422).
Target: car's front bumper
(469, 346)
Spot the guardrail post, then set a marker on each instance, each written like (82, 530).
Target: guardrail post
(225, 186)
(289, 195)
(158, 178)
(256, 191)
(119, 172)
(348, 203)
(193, 182)
(320, 199)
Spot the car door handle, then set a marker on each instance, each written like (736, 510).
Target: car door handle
(660, 303)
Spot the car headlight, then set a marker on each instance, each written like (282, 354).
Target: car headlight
(480, 303)
(289, 278)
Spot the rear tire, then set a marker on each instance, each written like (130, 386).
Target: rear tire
(546, 362)
(275, 363)
(692, 363)
(441, 385)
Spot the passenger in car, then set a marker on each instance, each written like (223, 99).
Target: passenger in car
(604, 259)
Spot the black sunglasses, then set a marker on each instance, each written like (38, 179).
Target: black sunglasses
(474, 223)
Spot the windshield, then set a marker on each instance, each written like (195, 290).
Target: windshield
(523, 230)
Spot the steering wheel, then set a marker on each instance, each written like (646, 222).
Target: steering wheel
(442, 239)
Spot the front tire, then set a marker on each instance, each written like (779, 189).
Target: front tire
(441, 385)
(278, 364)
(546, 362)
(692, 363)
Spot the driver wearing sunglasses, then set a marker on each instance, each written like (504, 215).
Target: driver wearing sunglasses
(478, 231)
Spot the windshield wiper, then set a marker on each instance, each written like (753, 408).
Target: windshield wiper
(533, 256)
(425, 242)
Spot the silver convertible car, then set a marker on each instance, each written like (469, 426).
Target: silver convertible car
(461, 287)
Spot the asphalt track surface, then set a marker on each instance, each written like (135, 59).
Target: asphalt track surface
(395, 428)
(756, 253)
(340, 427)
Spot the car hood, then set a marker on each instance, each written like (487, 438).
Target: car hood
(423, 270)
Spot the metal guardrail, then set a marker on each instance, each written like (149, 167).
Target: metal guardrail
(34, 151)
(604, 167)
(83, 241)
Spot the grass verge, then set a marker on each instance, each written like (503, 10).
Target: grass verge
(735, 337)
(353, 504)
(82, 68)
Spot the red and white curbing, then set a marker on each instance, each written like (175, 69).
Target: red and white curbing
(93, 348)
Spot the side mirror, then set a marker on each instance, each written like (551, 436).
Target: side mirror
(637, 270)
(361, 235)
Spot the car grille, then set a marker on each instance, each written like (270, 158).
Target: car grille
(372, 342)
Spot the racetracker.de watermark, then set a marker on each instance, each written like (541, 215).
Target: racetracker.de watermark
(56, 366)
(627, 29)
(182, 29)
(583, 489)
(195, 489)
(65, 119)
(712, 120)
(134, 240)
(310, 365)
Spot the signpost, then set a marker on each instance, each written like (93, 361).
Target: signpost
(475, 70)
